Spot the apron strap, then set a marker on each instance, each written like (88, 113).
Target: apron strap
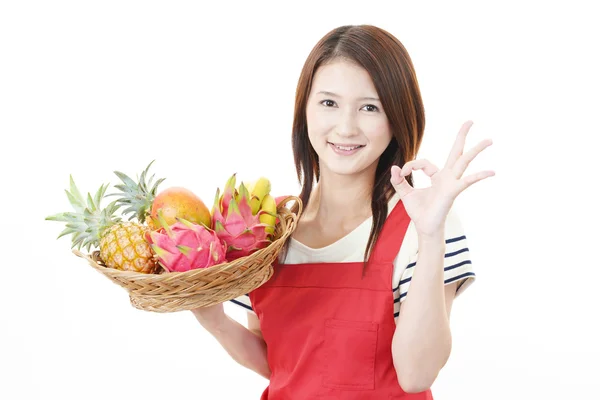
(392, 235)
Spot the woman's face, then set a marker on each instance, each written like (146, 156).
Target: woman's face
(347, 126)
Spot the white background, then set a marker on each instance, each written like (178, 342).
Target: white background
(87, 88)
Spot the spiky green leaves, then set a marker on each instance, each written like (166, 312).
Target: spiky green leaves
(87, 223)
(137, 196)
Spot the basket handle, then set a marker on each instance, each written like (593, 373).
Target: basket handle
(282, 201)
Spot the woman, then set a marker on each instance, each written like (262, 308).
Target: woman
(329, 325)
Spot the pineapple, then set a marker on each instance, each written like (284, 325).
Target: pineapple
(138, 196)
(123, 245)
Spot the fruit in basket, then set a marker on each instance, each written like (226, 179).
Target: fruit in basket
(258, 190)
(269, 217)
(137, 196)
(232, 219)
(179, 202)
(261, 199)
(122, 244)
(184, 245)
(143, 201)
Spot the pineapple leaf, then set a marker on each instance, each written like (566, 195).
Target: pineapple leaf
(77, 203)
(142, 179)
(155, 187)
(129, 183)
(88, 221)
(66, 232)
(62, 217)
(124, 189)
(135, 195)
(130, 210)
(110, 210)
(90, 203)
(74, 191)
(99, 195)
(74, 225)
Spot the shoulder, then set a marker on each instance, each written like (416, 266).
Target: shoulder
(457, 259)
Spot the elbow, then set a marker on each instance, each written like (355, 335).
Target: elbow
(418, 376)
(417, 370)
(415, 384)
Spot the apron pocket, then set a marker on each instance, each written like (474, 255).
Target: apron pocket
(350, 348)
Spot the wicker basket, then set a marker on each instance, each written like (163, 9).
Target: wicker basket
(178, 291)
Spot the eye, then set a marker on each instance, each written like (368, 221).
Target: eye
(328, 103)
(371, 108)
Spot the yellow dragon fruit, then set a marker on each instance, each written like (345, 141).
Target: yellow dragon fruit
(241, 231)
(185, 245)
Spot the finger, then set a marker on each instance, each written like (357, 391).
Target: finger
(459, 144)
(464, 161)
(427, 166)
(476, 177)
(399, 182)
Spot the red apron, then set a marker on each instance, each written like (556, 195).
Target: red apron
(329, 330)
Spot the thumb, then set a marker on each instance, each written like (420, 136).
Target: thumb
(399, 182)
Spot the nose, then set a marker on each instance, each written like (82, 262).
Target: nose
(347, 125)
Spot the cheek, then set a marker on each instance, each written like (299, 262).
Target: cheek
(379, 132)
(319, 121)
(317, 127)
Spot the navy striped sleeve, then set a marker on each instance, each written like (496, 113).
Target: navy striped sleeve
(243, 302)
(457, 261)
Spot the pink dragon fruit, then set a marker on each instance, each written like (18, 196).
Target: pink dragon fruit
(185, 245)
(232, 219)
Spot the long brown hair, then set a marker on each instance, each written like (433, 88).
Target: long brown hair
(391, 69)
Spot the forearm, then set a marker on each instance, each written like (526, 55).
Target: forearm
(246, 348)
(422, 340)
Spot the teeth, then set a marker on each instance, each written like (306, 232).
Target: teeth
(346, 148)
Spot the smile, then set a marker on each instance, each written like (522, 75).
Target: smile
(346, 149)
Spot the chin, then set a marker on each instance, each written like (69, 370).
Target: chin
(343, 168)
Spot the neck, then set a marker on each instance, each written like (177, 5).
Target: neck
(342, 197)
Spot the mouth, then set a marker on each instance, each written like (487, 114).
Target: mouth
(345, 149)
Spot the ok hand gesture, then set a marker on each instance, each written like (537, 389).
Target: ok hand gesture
(429, 207)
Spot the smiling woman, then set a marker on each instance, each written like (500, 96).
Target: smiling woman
(342, 123)
(337, 319)
(357, 87)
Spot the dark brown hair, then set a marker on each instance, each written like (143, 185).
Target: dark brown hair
(391, 69)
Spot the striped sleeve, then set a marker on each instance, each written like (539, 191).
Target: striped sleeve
(243, 302)
(457, 260)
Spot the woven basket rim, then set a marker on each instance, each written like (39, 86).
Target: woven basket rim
(166, 276)
(199, 272)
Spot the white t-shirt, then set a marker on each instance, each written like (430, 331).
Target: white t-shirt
(351, 248)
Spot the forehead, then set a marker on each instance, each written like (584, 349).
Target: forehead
(344, 78)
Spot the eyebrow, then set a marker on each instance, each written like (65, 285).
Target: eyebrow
(335, 95)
